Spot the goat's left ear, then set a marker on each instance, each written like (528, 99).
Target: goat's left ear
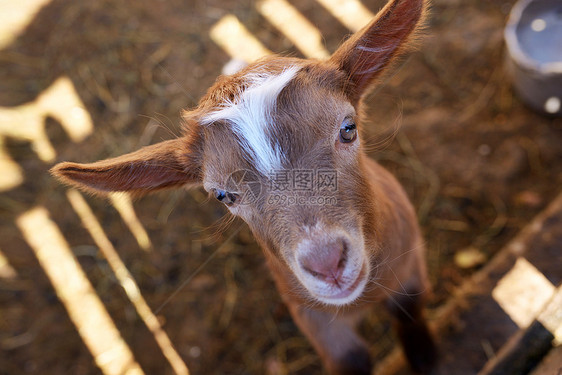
(368, 52)
(163, 165)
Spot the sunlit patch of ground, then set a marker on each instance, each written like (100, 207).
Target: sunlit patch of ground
(15, 16)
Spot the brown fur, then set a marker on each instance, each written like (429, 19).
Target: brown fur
(372, 223)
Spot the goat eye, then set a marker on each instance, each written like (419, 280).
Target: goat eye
(225, 197)
(220, 195)
(348, 131)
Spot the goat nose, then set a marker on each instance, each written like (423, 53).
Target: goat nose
(326, 261)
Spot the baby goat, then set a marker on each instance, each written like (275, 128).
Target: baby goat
(278, 144)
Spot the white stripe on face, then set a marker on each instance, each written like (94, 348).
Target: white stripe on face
(251, 117)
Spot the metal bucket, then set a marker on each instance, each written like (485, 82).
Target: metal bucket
(534, 43)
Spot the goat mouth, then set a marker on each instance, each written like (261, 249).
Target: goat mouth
(349, 293)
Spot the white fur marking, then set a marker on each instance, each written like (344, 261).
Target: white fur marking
(251, 116)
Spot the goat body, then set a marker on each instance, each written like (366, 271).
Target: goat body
(278, 143)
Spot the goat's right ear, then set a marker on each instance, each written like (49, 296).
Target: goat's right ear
(370, 51)
(163, 165)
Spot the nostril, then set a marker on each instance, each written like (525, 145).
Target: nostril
(343, 256)
(342, 262)
(316, 274)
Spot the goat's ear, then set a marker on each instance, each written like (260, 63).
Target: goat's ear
(366, 54)
(163, 165)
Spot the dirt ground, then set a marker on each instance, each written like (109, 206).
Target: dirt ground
(476, 162)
